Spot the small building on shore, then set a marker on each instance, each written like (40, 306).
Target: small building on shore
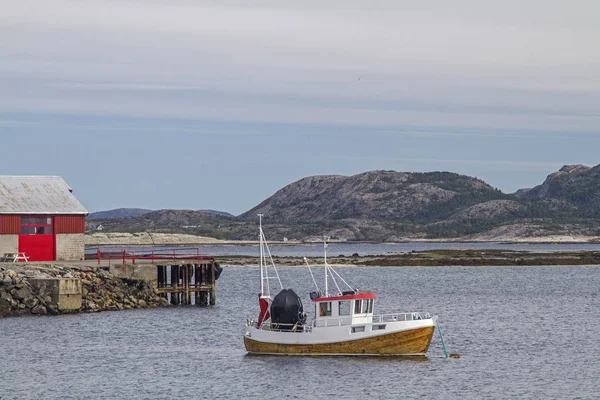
(40, 217)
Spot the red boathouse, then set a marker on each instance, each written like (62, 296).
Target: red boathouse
(40, 216)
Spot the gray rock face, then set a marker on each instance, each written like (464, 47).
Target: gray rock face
(489, 210)
(558, 184)
(574, 188)
(376, 195)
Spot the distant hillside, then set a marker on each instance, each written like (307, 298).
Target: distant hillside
(573, 191)
(396, 206)
(202, 223)
(376, 195)
(222, 213)
(136, 212)
(118, 213)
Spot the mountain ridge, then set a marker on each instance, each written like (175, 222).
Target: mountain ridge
(393, 206)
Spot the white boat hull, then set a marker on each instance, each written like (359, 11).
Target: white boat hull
(395, 339)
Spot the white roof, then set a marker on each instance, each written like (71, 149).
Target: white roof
(37, 195)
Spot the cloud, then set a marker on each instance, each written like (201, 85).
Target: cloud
(514, 65)
(511, 164)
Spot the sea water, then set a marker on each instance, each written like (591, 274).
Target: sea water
(521, 332)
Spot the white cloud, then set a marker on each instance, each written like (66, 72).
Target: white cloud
(166, 57)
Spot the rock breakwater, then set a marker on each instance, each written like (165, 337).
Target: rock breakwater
(40, 290)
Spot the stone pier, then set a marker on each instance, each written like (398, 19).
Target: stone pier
(65, 293)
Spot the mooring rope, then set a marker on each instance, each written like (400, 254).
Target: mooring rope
(442, 338)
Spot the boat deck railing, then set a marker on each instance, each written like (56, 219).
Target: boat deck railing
(341, 321)
(411, 316)
(268, 326)
(376, 319)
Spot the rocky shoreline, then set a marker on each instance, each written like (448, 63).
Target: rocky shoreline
(440, 258)
(99, 290)
(116, 239)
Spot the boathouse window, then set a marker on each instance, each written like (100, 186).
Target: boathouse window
(344, 308)
(356, 329)
(36, 225)
(357, 306)
(325, 309)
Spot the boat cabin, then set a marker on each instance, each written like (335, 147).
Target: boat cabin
(347, 309)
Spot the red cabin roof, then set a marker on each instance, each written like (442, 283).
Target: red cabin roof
(346, 297)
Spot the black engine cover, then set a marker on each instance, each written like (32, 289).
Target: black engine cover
(287, 309)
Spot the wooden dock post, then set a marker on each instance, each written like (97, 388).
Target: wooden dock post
(174, 284)
(203, 294)
(190, 283)
(213, 287)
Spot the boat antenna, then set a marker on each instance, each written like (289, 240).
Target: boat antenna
(311, 275)
(327, 268)
(334, 281)
(339, 276)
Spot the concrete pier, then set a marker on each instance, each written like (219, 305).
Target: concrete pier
(65, 293)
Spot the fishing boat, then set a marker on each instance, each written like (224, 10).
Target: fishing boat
(344, 322)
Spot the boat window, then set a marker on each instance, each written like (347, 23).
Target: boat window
(356, 329)
(379, 327)
(344, 308)
(370, 309)
(365, 307)
(325, 309)
(357, 306)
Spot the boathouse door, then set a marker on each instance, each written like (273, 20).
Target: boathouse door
(36, 238)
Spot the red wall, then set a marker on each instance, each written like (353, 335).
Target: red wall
(10, 224)
(41, 247)
(69, 224)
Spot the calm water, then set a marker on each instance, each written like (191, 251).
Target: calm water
(528, 332)
(347, 249)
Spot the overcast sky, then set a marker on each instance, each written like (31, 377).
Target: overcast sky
(197, 104)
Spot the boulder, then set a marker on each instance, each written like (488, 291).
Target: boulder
(31, 302)
(39, 310)
(5, 307)
(6, 296)
(22, 293)
(89, 305)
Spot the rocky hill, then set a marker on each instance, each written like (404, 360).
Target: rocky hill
(376, 195)
(574, 190)
(118, 213)
(136, 212)
(395, 206)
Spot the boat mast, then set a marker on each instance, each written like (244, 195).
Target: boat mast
(265, 286)
(326, 269)
(262, 259)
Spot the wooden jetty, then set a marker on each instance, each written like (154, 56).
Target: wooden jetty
(182, 277)
(189, 283)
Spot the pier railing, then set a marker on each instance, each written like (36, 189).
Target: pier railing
(176, 255)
